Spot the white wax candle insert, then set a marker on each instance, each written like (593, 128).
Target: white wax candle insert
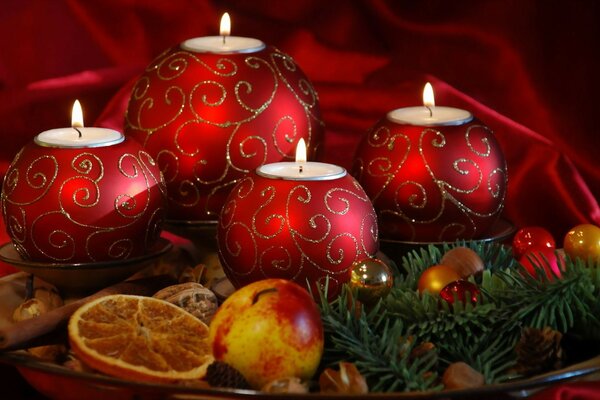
(310, 171)
(214, 44)
(429, 114)
(223, 44)
(421, 116)
(77, 136)
(69, 137)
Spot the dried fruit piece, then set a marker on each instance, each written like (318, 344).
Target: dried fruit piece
(347, 380)
(140, 338)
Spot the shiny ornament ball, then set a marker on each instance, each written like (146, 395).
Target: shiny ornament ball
(458, 290)
(530, 237)
(435, 278)
(463, 260)
(538, 260)
(82, 205)
(305, 231)
(372, 278)
(434, 183)
(583, 241)
(210, 118)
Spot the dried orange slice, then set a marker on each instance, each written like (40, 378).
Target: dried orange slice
(140, 338)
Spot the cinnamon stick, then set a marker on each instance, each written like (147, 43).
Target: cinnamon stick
(27, 333)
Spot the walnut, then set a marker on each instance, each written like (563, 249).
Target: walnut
(192, 297)
(347, 380)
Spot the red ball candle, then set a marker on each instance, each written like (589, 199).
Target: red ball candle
(213, 109)
(302, 221)
(80, 195)
(433, 173)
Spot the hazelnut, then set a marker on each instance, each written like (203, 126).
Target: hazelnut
(463, 260)
(460, 375)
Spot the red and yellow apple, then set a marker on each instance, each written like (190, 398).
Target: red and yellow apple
(269, 329)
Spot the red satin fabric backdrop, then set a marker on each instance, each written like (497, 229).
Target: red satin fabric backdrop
(527, 68)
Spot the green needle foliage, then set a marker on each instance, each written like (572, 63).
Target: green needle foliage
(483, 335)
(376, 344)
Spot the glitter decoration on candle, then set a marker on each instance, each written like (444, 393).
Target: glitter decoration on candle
(211, 111)
(433, 173)
(304, 226)
(80, 199)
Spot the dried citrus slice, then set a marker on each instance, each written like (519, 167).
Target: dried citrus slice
(140, 338)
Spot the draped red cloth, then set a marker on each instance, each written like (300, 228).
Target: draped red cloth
(528, 69)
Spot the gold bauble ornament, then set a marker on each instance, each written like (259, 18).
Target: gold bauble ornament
(372, 279)
(436, 277)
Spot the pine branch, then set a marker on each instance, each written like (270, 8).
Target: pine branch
(492, 355)
(373, 342)
(540, 302)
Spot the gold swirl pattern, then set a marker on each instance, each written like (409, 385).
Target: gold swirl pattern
(83, 205)
(442, 183)
(210, 119)
(302, 231)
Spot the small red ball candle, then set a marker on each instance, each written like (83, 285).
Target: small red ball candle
(433, 174)
(83, 195)
(213, 109)
(302, 221)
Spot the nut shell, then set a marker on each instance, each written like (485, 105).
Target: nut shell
(193, 298)
(460, 375)
(347, 380)
(463, 260)
(286, 385)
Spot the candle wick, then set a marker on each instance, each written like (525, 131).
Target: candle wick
(430, 111)
(300, 168)
(224, 39)
(78, 131)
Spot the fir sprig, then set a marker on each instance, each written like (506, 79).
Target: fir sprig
(483, 335)
(374, 342)
(493, 356)
(544, 301)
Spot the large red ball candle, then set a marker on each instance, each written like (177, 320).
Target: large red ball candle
(98, 197)
(213, 109)
(302, 226)
(433, 174)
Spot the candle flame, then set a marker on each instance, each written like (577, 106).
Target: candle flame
(428, 98)
(301, 151)
(77, 115)
(225, 25)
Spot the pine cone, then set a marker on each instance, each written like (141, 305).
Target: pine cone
(539, 351)
(220, 374)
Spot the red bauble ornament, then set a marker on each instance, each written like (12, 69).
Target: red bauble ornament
(432, 183)
(583, 241)
(458, 289)
(531, 237)
(543, 258)
(79, 205)
(303, 231)
(208, 119)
